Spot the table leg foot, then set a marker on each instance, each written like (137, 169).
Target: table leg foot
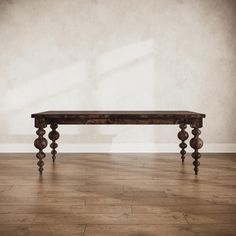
(53, 136)
(40, 143)
(196, 143)
(183, 135)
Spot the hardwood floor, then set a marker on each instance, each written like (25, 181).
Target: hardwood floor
(118, 194)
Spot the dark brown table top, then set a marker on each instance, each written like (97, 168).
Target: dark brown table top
(125, 112)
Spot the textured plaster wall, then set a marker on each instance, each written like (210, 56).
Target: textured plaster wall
(110, 54)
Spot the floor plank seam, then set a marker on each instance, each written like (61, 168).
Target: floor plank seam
(84, 230)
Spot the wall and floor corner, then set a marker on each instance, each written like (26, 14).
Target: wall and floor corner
(117, 55)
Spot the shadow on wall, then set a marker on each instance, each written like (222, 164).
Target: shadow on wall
(95, 79)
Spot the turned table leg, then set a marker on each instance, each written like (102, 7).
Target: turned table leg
(40, 143)
(183, 135)
(53, 136)
(196, 143)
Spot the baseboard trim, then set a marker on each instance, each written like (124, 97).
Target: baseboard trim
(120, 148)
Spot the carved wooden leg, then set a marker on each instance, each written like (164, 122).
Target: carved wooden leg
(183, 135)
(53, 135)
(196, 143)
(40, 143)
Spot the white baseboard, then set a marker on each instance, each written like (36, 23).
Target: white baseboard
(119, 148)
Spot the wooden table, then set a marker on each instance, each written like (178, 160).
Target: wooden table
(181, 118)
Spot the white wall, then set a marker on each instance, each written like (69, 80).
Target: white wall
(108, 54)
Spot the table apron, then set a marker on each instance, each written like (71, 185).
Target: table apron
(123, 121)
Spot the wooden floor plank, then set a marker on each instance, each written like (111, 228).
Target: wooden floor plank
(45, 230)
(160, 230)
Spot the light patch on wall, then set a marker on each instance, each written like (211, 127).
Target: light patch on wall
(120, 57)
(44, 91)
(125, 71)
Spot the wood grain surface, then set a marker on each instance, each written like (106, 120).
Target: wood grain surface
(118, 194)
